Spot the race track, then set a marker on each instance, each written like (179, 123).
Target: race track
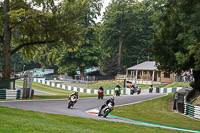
(88, 108)
(59, 106)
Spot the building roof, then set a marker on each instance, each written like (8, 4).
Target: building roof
(147, 65)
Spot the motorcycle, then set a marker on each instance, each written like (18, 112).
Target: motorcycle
(100, 94)
(139, 90)
(133, 90)
(72, 101)
(106, 110)
(117, 91)
(136, 89)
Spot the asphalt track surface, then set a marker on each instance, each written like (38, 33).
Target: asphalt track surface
(83, 107)
(59, 106)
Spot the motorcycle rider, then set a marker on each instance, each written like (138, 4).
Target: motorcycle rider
(74, 94)
(117, 90)
(139, 89)
(111, 100)
(117, 86)
(101, 88)
(151, 89)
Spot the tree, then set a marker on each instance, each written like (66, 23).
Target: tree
(127, 29)
(176, 43)
(110, 64)
(87, 50)
(26, 28)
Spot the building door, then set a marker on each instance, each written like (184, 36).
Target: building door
(155, 76)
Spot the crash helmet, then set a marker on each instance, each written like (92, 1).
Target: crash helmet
(76, 93)
(112, 98)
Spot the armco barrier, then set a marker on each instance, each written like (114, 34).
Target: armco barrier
(189, 109)
(192, 111)
(84, 90)
(10, 94)
(167, 90)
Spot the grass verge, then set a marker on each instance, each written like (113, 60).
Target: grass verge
(157, 111)
(60, 93)
(16, 120)
(177, 84)
(110, 85)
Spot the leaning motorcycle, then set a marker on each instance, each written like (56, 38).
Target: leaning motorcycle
(106, 110)
(100, 94)
(72, 101)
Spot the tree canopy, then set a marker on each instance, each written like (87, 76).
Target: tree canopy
(87, 48)
(26, 28)
(176, 42)
(127, 29)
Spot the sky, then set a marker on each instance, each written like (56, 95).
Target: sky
(105, 4)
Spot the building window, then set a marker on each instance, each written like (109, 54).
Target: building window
(159, 74)
(166, 75)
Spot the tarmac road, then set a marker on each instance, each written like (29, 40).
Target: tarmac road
(59, 106)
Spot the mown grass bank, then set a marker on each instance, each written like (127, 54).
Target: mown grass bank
(157, 111)
(110, 85)
(177, 84)
(16, 120)
(60, 93)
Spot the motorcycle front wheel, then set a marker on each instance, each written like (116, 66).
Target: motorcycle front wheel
(70, 104)
(106, 112)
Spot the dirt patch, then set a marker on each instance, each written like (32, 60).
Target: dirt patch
(197, 101)
(171, 105)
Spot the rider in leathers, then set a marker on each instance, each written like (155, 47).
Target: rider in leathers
(106, 103)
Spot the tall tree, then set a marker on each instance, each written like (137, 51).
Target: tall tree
(26, 28)
(127, 28)
(87, 51)
(176, 42)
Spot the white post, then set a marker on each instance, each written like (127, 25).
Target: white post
(153, 77)
(136, 78)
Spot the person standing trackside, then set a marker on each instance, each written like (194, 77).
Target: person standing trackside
(130, 85)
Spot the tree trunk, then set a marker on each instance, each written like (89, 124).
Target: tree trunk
(196, 83)
(82, 73)
(120, 51)
(6, 67)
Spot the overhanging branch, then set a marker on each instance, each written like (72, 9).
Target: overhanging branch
(30, 43)
(1, 39)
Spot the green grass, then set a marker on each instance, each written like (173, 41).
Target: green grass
(157, 111)
(60, 93)
(107, 84)
(16, 120)
(197, 101)
(110, 85)
(177, 84)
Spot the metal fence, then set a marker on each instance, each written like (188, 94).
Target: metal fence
(179, 78)
(72, 82)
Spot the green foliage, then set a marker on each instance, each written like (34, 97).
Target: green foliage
(151, 112)
(176, 42)
(17, 120)
(86, 50)
(131, 21)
